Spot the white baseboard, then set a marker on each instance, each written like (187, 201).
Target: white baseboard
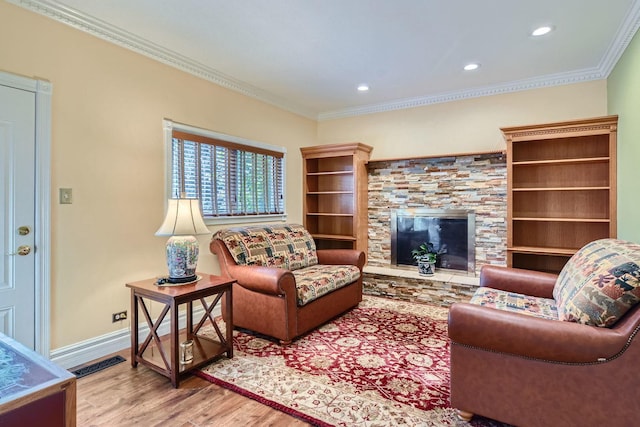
(86, 351)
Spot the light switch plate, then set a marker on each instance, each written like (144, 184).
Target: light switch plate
(66, 196)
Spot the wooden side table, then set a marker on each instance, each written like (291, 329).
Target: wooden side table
(152, 352)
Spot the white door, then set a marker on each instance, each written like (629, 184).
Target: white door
(17, 209)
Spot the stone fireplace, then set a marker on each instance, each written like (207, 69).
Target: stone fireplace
(474, 183)
(450, 233)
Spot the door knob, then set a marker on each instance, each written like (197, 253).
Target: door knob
(22, 250)
(23, 230)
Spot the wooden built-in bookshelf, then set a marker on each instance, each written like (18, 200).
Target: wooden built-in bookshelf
(561, 190)
(335, 194)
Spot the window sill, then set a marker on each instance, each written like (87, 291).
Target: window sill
(245, 219)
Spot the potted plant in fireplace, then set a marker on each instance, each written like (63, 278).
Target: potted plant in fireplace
(425, 256)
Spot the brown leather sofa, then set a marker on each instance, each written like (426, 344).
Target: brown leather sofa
(266, 295)
(532, 371)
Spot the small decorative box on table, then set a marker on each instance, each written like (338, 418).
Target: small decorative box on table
(152, 351)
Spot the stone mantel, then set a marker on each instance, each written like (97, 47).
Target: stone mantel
(439, 156)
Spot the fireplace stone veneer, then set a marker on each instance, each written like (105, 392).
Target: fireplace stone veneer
(473, 182)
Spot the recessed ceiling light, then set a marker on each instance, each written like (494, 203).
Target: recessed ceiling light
(471, 67)
(363, 87)
(541, 31)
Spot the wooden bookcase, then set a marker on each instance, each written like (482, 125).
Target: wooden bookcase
(561, 190)
(335, 194)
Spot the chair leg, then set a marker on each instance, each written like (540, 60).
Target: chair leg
(464, 415)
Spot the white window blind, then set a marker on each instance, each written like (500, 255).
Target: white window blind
(230, 179)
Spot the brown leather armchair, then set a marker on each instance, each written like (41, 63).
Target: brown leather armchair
(265, 298)
(530, 371)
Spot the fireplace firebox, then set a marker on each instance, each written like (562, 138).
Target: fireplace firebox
(450, 232)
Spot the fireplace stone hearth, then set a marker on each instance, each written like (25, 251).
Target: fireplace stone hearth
(440, 289)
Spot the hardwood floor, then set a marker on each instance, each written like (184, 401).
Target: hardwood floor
(123, 396)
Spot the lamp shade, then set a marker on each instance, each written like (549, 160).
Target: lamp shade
(183, 219)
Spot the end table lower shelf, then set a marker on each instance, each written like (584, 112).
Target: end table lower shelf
(204, 352)
(152, 352)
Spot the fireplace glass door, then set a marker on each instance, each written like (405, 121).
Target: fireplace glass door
(451, 234)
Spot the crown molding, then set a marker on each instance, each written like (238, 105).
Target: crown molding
(513, 86)
(625, 34)
(137, 44)
(130, 41)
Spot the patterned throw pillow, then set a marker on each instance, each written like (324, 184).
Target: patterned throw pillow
(600, 283)
(288, 246)
(544, 308)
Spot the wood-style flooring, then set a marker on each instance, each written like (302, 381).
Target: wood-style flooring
(123, 396)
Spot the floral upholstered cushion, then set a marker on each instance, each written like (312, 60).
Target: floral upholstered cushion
(544, 308)
(315, 281)
(288, 246)
(600, 283)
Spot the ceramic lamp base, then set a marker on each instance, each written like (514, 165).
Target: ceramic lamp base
(185, 280)
(182, 258)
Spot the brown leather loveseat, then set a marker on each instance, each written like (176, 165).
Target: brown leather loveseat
(284, 286)
(537, 349)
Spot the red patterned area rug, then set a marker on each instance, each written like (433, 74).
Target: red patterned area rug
(384, 363)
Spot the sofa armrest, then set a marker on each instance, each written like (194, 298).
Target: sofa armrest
(528, 282)
(499, 331)
(266, 280)
(341, 257)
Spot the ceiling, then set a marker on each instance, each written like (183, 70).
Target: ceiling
(309, 56)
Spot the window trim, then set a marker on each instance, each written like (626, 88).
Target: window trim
(169, 126)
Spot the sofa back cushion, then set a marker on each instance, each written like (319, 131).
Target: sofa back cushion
(288, 246)
(600, 283)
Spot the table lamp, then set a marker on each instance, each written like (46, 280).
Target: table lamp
(182, 223)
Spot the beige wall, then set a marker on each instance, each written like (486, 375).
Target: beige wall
(107, 145)
(624, 100)
(464, 126)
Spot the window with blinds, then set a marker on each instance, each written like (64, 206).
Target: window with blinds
(230, 179)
